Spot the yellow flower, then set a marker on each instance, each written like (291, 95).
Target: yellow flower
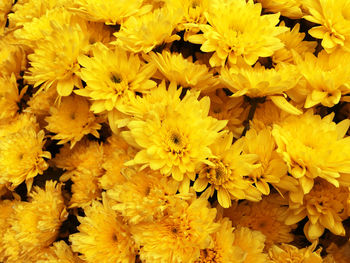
(21, 153)
(178, 236)
(247, 34)
(110, 12)
(84, 167)
(334, 19)
(292, 40)
(252, 244)
(223, 250)
(71, 120)
(175, 68)
(289, 8)
(143, 33)
(7, 208)
(12, 57)
(325, 79)
(266, 216)
(288, 253)
(175, 135)
(224, 107)
(102, 236)
(308, 157)
(34, 225)
(144, 196)
(59, 252)
(259, 81)
(326, 206)
(272, 170)
(54, 61)
(9, 98)
(113, 77)
(225, 172)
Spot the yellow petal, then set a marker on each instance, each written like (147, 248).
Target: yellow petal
(283, 104)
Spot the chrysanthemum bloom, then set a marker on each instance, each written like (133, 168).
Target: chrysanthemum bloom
(325, 79)
(225, 172)
(144, 196)
(71, 120)
(143, 33)
(292, 40)
(259, 81)
(175, 68)
(26, 11)
(12, 57)
(224, 107)
(21, 154)
(308, 157)
(334, 19)
(115, 153)
(54, 61)
(173, 135)
(288, 253)
(112, 77)
(267, 114)
(34, 225)
(223, 249)
(252, 243)
(288, 8)
(102, 236)
(9, 98)
(59, 252)
(178, 236)
(338, 254)
(84, 167)
(326, 206)
(247, 34)
(110, 12)
(272, 170)
(266, 216)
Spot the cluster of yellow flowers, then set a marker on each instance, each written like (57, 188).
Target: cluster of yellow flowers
(175, 131)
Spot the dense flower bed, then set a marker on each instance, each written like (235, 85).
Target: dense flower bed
(175, 131)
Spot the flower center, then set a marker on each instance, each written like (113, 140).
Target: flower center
(217, 174)
(209, 256)
(175, 143)
(116, 78)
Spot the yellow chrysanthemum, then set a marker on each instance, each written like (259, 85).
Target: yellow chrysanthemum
(266, 216)
(113, 77)
(223, 250)
(175, 68)
(326, 206)
(143, 33)
(59, 252)
(71, 120)
(34, 225)
(247, 34)
(178, 236)
(144, 196)
(26, 11)
(54, 61)
(259, 81)
(102, 236)
(12, 57)
(288, 8)
(9, 98)
(84, 167)
(252, 243)
(325, 79)
(334, 19)
(288, 253)
(116, 153)
(21, 153)
(174, 137)
(308, 157)
(224, 107)
(225, 172)
(110, 12)
(272, 170)
(292, 40)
